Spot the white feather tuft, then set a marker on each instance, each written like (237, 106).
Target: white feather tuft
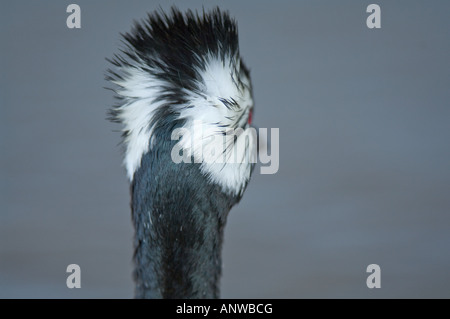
(219, 80)
(139, 89)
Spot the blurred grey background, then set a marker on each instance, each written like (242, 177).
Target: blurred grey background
(364, 176)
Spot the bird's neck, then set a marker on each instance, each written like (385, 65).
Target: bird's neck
(179, 222)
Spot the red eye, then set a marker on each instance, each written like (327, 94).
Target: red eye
(250, 117)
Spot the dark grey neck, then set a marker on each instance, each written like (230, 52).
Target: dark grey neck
(179, 221)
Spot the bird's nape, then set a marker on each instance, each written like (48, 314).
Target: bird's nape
(181, 71)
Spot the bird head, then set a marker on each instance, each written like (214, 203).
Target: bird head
(184, 71)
